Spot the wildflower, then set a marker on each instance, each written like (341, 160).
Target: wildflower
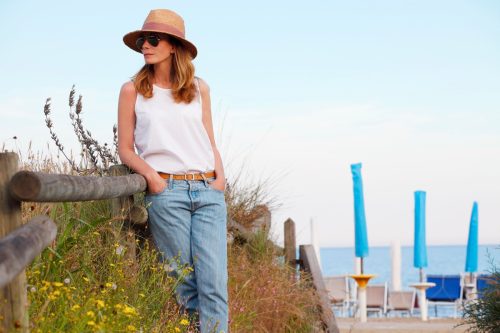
(128, 310)
(184, 322)
(111, 285)
(119, 250)
(90, 313)
(33, 289)
(57, 284)
(131, 328)
(91, 323)
(177, 329)
(112, 265)
(85, 279)
(75, 307)
(67, 280)
(100, 303)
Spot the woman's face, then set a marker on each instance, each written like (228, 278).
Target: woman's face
(155, 54)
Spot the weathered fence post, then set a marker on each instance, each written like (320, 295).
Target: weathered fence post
(290, 246)
(120, 209)
(13, 298)
(311, 265)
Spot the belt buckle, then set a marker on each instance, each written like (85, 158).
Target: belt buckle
(188, 174)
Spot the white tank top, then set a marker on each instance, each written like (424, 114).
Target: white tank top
(170, 136)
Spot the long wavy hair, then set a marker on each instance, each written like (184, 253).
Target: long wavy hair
(181, 75)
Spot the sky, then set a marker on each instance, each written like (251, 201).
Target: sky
(300, 90)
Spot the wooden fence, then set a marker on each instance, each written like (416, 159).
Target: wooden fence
(21, 243)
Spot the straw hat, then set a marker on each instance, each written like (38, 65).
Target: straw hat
(164, 21)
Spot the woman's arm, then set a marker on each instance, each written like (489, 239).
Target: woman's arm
(220, 180)
(126, 125)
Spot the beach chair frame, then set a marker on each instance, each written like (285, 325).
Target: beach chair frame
(338, 288)
(376, 298)
(401, 301)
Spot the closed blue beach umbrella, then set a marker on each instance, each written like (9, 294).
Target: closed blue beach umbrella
(472, 242)
(419, 245)
(360, 235)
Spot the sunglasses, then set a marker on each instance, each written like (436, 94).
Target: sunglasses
(152, 40)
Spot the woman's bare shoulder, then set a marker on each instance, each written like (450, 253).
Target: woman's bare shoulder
(128, 89)
(204, 88)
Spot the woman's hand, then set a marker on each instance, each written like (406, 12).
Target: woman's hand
(218, 184)
(156, 184)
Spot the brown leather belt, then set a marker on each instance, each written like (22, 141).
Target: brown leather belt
(188, 176)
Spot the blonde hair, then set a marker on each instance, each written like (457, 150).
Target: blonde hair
(181, 75)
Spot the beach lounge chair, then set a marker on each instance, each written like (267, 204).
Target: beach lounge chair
(401, 301)
(448, 291)
(376, 298)
(338, 292)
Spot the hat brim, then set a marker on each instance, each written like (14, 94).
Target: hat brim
(130, 39)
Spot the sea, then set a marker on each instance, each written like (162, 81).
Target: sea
(442, 259)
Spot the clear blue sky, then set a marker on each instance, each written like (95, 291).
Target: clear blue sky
(301, 89)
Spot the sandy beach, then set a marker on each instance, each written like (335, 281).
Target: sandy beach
(400, 325)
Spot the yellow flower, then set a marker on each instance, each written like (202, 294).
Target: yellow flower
(128, 310)
(112, 265)
(184, 322)
(177, 329)
(56, 293)
(57, 284)
(100, 304)
(108, 284)
(75, 307)
(90, 313)
(91, 323)
(131, 328)
(85, 279)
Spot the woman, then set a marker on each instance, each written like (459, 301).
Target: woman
(165, 112)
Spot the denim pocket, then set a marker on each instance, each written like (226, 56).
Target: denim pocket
(214, 189)
(165, 190)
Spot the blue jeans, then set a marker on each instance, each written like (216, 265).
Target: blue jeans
(188, 222)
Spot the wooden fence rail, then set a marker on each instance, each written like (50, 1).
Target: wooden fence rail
(45, 187)
(21, 246)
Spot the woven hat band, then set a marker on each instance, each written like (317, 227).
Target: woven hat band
(154, 26)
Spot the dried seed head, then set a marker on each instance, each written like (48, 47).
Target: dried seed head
(79, 105)
(46, 108)
(72, 97)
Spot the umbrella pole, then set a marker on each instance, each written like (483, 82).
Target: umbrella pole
(421, 270)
